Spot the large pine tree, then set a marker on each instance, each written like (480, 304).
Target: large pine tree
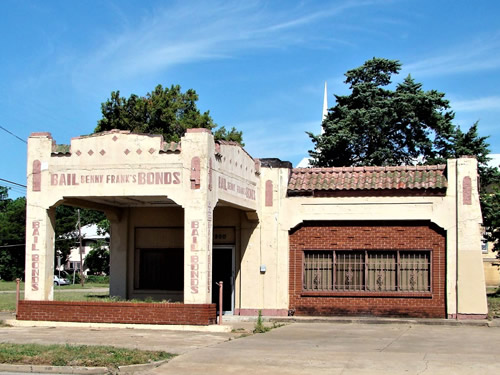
(375, 125)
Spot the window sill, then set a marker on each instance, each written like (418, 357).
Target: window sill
(368, 294)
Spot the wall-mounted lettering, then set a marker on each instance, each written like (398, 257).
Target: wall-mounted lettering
(229, 186)
(195, 274)
(35, 258)
(139, 178)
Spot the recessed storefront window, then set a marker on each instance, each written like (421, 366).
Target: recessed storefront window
(161, 269)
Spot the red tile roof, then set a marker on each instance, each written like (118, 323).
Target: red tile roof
(368, 178)
(171, 147)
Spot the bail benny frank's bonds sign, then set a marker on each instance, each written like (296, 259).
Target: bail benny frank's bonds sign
(139, 178)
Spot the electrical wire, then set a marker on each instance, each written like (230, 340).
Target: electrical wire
(22, 140)
(13, 183)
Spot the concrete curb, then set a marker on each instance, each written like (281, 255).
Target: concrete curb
(54, 369)
(35, 323)
(342, 320)
(130, 369)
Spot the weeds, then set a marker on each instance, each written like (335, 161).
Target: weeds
(259, 325)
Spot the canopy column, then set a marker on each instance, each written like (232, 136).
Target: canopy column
(39, 272)
(198, 229)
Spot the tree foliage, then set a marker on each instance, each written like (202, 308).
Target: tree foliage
(97, 260)
(165, 111)
(378, 126)
(12, 236)
(66, 230)
(375, 125)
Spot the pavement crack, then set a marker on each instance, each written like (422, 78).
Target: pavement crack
(425, 369)
(396, 339)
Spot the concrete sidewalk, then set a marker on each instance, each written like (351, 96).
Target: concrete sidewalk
(299, 348)
(319, 348)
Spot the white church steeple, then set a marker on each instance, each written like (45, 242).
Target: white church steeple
(305, 163)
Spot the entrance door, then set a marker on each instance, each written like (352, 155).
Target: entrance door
(223, 270)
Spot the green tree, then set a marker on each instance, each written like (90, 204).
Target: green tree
(375, 125)
(165, 111)
(97, 260)
(66, 230)
(378, 126)
(12, 236)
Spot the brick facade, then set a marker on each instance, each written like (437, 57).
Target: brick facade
(117, 312)
(369, 236)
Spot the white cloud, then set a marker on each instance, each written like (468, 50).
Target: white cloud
(495, 160)
(268, 138)
(491, 103)
(478, 55)
(195, 31)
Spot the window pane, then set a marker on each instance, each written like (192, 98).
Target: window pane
(414, 271)
(349, 270)
(381, 271)
(318, 270)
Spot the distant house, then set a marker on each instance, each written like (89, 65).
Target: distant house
(90, 236)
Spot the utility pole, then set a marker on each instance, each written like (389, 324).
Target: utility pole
(82, 277)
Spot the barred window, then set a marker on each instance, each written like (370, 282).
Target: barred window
(370, 271)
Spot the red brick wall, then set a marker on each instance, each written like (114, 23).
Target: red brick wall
(369, 236)
(117, 312)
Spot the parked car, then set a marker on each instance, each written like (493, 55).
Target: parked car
(60, 281)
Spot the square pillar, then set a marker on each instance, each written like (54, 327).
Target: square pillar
(40, 221)
(39, 271)
(198, 230)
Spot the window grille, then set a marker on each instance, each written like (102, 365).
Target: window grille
(349, 270)
(318, 271)
(370, 271)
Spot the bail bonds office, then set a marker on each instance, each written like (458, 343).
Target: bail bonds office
(385, 241)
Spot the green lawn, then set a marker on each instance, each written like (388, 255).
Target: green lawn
(11, 285)
(8, 300)
(77, 355)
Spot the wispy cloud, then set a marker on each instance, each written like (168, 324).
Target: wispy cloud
(478, 55)
(196, 31)
(293, 141)
(491, 103)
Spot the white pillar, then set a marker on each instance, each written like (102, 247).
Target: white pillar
(40, 221)
(39, 271)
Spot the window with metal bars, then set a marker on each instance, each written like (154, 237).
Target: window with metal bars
(370, 271)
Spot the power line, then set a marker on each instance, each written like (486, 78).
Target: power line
(22, 140)
(19, 245)
(13, 183)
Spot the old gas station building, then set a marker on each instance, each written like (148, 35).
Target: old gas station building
(387, 241)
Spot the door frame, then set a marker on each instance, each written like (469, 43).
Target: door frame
(232, 247)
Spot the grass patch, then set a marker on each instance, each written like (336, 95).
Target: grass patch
(9, 285)
(79, 286)
(8, 300)
(77, 355)
(494, 305)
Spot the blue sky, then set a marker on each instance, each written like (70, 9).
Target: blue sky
(257, 65)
